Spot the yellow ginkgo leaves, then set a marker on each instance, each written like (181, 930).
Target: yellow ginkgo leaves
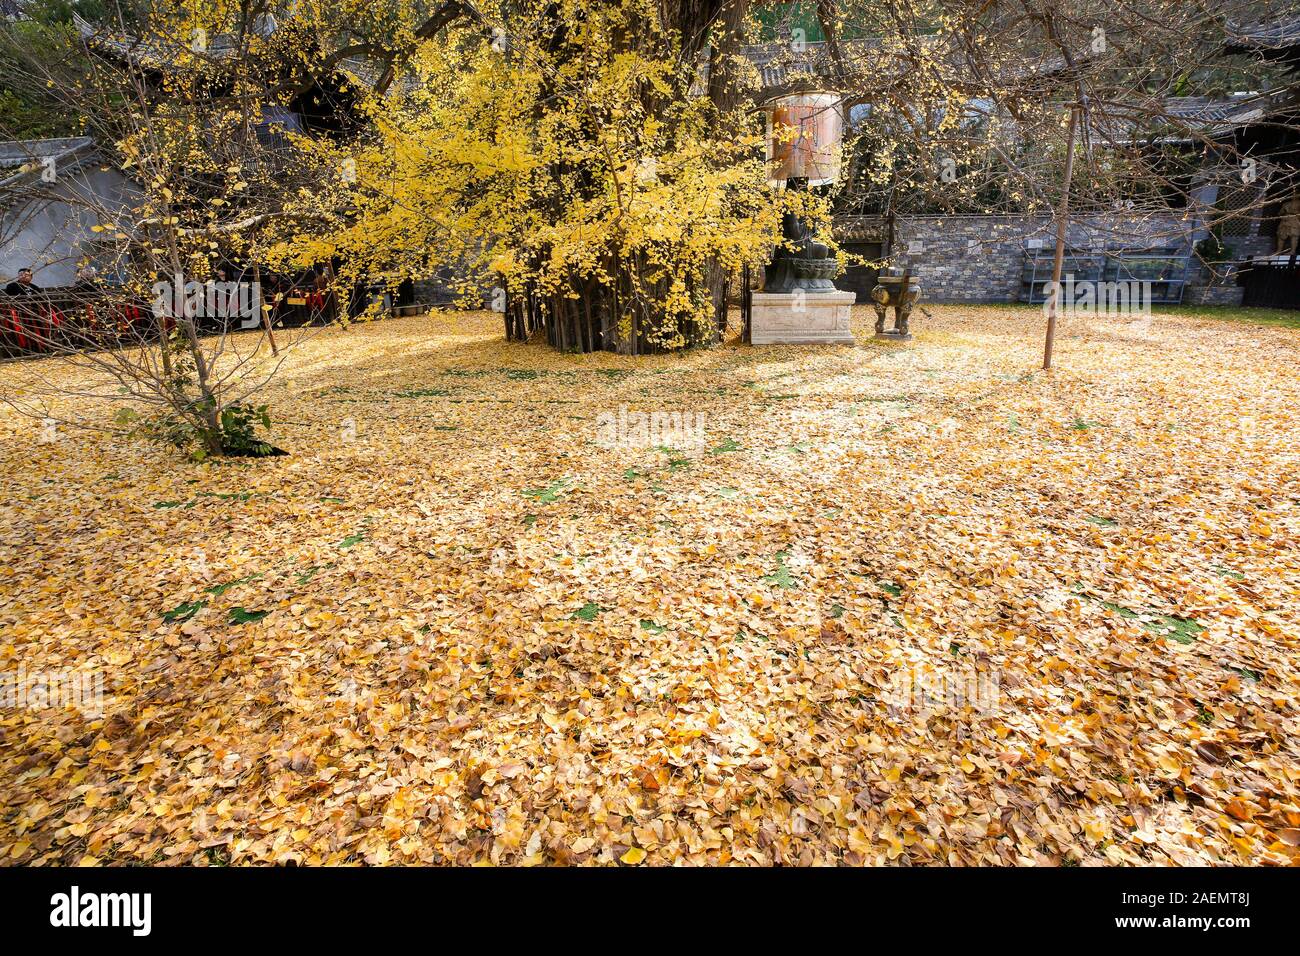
(491, 638)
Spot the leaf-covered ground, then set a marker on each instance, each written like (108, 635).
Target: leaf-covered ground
(454, 627)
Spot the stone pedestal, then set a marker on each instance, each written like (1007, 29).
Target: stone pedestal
(801, 318)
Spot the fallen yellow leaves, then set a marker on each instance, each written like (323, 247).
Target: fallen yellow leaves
(946, 611)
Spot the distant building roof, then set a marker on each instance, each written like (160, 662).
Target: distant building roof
(1236, 110)
(150, 53)
(788, 65)
(159, 54)
(18, 152)
(25, 157)
(1275, 35)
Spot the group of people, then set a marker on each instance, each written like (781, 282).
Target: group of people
(24, 285)
(27, 319)
(306, 300)
(33, 319)
(36, 319)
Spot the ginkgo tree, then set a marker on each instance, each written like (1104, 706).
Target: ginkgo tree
(598, 166)
(562, 153)
(601, 162)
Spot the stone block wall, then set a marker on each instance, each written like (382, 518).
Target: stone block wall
(439, 290)
(1214, 286)
(1214, 291)
(1249, 247)
(967, 258)
(982, 258)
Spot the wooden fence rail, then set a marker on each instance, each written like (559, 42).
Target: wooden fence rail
(44, 322)
(1272, 284)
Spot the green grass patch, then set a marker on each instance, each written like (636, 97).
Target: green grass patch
(183, 612)
(1282, 318)
(220, 496)
(219, 589)
(423, 393)
(587, 612)
(306, 574)
(548, 494)
(780, 578)
(1127, 613)
(239, 615)
(1184, 630)
(227, 496)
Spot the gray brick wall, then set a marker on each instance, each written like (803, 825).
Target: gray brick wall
(1217, 286)
(981, 258)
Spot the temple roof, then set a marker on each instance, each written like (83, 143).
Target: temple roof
(23, 158)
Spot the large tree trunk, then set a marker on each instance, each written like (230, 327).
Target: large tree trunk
(728, 34)
(626, 315)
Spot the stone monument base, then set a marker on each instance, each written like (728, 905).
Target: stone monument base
(890, 335)
(801, 318)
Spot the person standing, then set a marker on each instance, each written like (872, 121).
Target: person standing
(23, 285)
(26, 313)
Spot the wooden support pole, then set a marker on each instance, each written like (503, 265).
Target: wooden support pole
(261, 307)
(1062, 221)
